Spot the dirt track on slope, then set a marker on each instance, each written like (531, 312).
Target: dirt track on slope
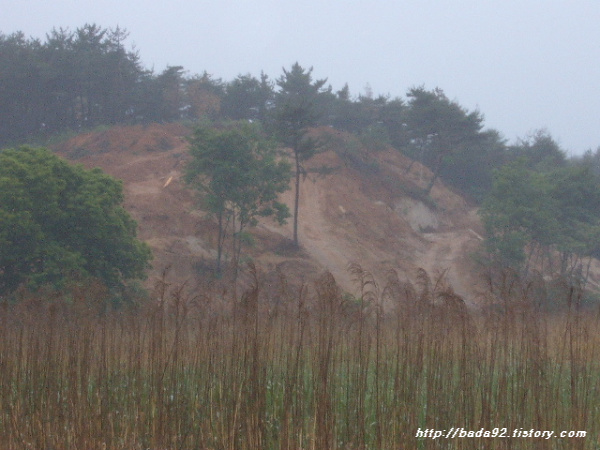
(349, 216)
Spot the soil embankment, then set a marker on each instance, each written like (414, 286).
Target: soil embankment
(371, 217)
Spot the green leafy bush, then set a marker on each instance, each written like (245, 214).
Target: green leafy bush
(60, 221)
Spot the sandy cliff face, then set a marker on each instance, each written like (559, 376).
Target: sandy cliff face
(352, 215)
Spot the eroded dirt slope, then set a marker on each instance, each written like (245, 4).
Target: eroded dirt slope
(364, 214)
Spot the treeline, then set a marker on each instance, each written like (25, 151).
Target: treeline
(71, 80)
(84, 78)
(87, 77)
(80, 79)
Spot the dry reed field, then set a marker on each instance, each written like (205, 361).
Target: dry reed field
(308, 368)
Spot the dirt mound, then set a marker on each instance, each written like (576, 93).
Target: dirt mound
(369, 210)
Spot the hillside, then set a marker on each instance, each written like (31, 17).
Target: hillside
(366, 216)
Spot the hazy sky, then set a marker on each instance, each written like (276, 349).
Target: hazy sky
(525, 64)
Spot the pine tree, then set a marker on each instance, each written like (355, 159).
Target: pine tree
(296, 110)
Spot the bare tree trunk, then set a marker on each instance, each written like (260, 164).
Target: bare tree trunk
(223, 220)
(296, 198)
(237, 248)
(220, 240)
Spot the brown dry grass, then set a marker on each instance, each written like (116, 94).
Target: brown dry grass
(297, 369)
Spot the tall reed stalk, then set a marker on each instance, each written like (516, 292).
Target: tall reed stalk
(312, 369)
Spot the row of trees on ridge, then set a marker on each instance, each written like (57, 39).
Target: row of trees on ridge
(81, 79)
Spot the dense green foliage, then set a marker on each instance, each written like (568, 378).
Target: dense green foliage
(247, 98)
(59, 221)
(550, 216)
(439, 129)
(236, 171)
(517, 211)
(539, 151)
(74, 79)
(84, 78)
(451, 141)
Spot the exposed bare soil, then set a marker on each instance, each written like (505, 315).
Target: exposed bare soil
(347, 216)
